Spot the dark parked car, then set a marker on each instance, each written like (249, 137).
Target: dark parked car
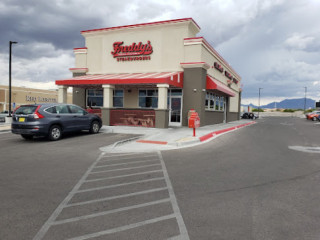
(249, 115)
(52, 120)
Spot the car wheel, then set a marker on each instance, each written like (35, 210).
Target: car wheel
(26, 136)
(314, 118)
(55, 133)
(95, 127)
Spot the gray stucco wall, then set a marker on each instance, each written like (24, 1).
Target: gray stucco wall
(79, 94)
(194, 81)
(232, 116)
(79, 97)
(212, 117)
(105, 116)
(78, 74)
(162, 118)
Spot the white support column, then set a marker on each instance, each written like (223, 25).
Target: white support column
(62, 94)
(108, 96)
(163, 96)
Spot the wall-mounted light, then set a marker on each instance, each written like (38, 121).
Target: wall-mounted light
(203, 90)
(194, 90)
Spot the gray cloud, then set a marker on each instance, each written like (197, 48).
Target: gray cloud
(273, 44)
(42, 22)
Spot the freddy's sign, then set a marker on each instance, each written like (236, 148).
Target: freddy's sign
(133, 52)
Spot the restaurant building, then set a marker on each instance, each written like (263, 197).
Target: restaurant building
(151, 75)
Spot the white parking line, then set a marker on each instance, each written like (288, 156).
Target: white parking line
(67, 203)
(177, 213)
(126, 163)
(111, 211)
(122, 154)
(127, 227)
(120, 185)
(59, 209)
(121, 169)
(122, 176)
(133, 157)
(116, 197)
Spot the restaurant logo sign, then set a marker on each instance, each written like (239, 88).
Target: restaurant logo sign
(133, 52)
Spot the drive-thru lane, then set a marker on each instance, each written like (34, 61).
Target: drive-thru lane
(250, 184)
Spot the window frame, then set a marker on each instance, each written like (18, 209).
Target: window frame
(147, 96)
(216, 103)
(97, 96)
(113, 97)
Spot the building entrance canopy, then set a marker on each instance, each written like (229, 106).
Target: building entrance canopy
(214, 84)
(174, 79)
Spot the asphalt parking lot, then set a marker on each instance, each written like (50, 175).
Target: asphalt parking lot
(259, 182)
(37, 175)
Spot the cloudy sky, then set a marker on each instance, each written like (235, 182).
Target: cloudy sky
(272, 44)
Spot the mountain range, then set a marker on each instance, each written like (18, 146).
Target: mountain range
(288, 103)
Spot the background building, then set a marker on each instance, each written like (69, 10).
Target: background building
(23, 95)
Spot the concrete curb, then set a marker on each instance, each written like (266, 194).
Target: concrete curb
(222, 131)
(118, 143)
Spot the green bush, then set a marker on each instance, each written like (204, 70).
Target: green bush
(257, 110)
(289, 110)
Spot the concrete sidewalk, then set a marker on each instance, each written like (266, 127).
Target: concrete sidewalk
(5, 127)
(153, 139)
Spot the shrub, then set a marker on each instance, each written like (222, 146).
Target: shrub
(289, 110)
(257, 110)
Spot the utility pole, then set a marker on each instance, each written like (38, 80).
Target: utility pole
(10, 50)
(305, 98)
(259, 103)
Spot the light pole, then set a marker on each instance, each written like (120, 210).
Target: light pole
(305, 99)
(259, 103)
(10, 47)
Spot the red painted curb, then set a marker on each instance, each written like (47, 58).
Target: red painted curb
(212, 134)
(153, 142)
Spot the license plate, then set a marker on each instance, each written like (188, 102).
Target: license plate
(22, 119)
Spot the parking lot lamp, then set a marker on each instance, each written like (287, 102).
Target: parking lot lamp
(259, 103)
(10, 47)
(305, 99)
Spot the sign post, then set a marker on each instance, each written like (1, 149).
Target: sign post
(193, 121)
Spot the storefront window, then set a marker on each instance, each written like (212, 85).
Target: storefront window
(118, 98)
(207, 104)
(94, 98)
(214, 102)
(222, 103)
(148, 98)
(212, 96)
(175, 92)
(217, 103)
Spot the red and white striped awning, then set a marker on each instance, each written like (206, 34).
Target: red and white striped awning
(171, 78)
(214, 84)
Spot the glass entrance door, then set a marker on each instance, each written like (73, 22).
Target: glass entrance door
(175, 110)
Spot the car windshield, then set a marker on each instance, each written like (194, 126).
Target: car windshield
(26, 110)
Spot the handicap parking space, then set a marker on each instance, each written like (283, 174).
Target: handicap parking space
(121, 196)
